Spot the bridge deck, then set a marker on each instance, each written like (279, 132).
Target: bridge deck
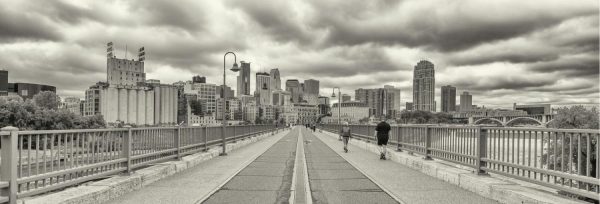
(262, 173)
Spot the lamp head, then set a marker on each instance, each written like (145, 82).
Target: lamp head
(235, 67)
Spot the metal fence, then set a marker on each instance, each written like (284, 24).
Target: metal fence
(34, 162)
(563, 159)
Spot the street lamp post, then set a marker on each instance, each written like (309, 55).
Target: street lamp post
(339, 105)
(234, 68)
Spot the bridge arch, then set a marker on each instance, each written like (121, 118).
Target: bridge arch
(512, 121)
(481, 120)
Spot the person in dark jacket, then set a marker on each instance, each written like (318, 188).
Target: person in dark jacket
(345, 134)
(383, 134)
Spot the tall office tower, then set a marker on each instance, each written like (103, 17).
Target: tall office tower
(243, 80)
(227, 93)
(424, 86)
(346, 98)
(311, 87)
(324, 100)
(280, 97)
(275, 79)
(207, 94)
(263, 88)
(92, 100)
(3, 83)
(199, 79)
(394, 94)
(380, 101)
(293, 86)
(466, 101)
(448, 98)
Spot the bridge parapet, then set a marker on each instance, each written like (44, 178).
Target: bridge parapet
(530, 154)
(35, 162)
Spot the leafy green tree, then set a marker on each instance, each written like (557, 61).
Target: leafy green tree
(47, 100)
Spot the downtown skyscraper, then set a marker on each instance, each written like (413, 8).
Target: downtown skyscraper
(293, 86)
(243, 80)
(448, 98)
(466, 101)
(275, 79)
(381, 101)
(263, 88)
(424, 86)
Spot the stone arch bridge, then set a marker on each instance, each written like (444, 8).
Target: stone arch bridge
(542, 120)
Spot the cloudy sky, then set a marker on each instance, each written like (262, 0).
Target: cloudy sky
(503, 51)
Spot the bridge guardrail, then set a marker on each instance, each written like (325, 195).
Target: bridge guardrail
(35, 162)
(562, 159)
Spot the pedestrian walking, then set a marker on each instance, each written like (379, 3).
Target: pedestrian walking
(383, 132)
(345, 134)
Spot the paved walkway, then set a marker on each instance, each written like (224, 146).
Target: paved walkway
(266, 180)
(333, 180)
(402, 182)
(197, 183)
(301, 167)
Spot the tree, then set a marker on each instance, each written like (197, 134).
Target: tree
(574, 117)
(47, 100)
(29, 116)
(196, 107)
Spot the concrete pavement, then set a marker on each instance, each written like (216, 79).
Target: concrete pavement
(333, 180)
(264, 172)
(195, 184)
(403, 183)
(267, 179)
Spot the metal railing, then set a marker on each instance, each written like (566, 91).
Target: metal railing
(562, 159)
(35, 162)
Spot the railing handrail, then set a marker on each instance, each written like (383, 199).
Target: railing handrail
(487, 127)
(62, 158)
(529, 154)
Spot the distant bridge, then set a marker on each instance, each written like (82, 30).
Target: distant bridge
(507, 121)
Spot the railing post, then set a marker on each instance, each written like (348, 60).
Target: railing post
(205, 137)
(8, 169)
(127, 148)
(481, 150)
(177, 142)
(398, 138)
(427, 143)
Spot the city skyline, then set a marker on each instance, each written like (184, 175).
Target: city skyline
(548, 53)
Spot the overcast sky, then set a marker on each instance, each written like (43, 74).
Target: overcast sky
(503, 51)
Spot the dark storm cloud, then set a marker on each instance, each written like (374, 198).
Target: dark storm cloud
(503, 82)
(446, 27)
(579, 66)
(504, 56)
(181, 15)
(16, 25)
(492, 48)
(277, 18)
(344, 61)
